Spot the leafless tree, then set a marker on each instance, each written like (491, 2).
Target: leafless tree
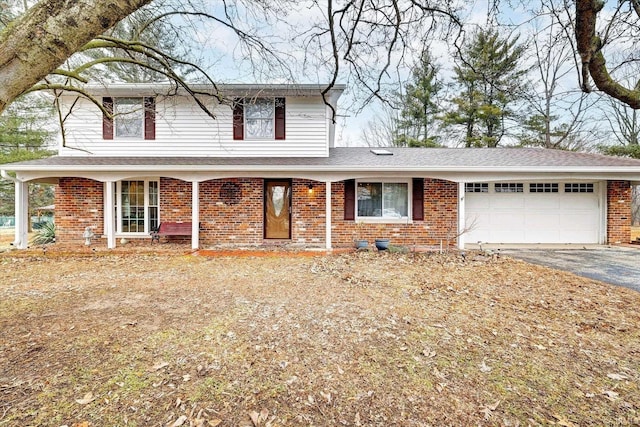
(359, 40)
(606, 36)
(557, 109)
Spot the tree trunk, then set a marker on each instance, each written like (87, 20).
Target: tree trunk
(594, 65)
(48, 34)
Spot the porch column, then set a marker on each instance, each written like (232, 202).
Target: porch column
(195, 215)
(327, 216)
(22, 215)
(109, 220)
(461, 216)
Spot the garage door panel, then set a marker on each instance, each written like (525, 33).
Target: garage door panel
(533, 217)
(580, 202)
(506, 201)
(543, 201)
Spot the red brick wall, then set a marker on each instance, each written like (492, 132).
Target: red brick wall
(308, 213)
(239, 220)
(440, 219)
(618, 212)
(231, 218)
(79, 204)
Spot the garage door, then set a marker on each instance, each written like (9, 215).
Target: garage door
(521, 212)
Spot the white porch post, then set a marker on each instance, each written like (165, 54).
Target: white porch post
(461, 216)
(327, 205)
(22, 214)
(195, 215)
(109, 219)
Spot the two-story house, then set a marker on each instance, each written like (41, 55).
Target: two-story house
(265, 169)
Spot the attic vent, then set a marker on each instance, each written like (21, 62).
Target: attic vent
(381, 152)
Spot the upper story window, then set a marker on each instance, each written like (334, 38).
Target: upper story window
(131, 117)
(128, 119)
(259, 118)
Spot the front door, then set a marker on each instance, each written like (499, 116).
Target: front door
(277, 209)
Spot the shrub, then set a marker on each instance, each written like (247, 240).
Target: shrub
(45, 234)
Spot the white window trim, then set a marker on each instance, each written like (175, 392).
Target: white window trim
(273, 120)
(118, 215)
(118, 116)
(382, 220)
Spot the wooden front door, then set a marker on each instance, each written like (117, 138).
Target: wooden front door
(277, 209)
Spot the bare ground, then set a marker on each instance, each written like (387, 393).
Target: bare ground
(365, 339)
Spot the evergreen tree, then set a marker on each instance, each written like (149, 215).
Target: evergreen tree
(489, 76)
(24, 136)
(418, 114)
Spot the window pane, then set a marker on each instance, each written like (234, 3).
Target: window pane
(129, 118)
(370, 199)
(396, 203)
(132, 206)
(259, 118)
(259, 128)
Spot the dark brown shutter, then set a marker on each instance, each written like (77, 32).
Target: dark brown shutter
(418, 199)
(280, 118)
(107, 119)
(350, 199)
(149, 118)
(238, 119)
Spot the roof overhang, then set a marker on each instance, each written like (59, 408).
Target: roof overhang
(458, 165)
(224, 90)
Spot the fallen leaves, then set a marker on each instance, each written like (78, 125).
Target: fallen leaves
(365, 339)
(86, 399)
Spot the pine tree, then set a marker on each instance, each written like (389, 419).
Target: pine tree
(489, 77)
(418, 116)
(23, 136)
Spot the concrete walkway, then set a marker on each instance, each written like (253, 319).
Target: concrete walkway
(615, 265)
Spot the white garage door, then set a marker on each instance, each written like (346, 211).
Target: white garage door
(521, 212)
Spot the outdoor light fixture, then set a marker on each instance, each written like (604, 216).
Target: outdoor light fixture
(310, 187)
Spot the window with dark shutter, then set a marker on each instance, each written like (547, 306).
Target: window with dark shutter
(107, 118)
(350, 199)
(129, 121)
(418, 199)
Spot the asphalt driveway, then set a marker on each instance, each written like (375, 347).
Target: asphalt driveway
(615, 265)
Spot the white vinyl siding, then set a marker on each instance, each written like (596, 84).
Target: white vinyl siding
(184, 130)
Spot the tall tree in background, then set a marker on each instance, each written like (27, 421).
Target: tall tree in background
(419, 106)
(609, 28)
(24, 136)
(556, 108)
(488, 74)
(125, 55)
(624, 123)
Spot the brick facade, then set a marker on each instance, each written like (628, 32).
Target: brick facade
(79, 204)
(232, 213)
(440, 223)
(618, 212)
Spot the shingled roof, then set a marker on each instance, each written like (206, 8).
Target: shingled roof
(341, 159)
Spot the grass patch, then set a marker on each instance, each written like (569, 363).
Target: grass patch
(341, 340)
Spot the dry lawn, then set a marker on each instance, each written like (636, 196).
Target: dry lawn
(366, 339)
